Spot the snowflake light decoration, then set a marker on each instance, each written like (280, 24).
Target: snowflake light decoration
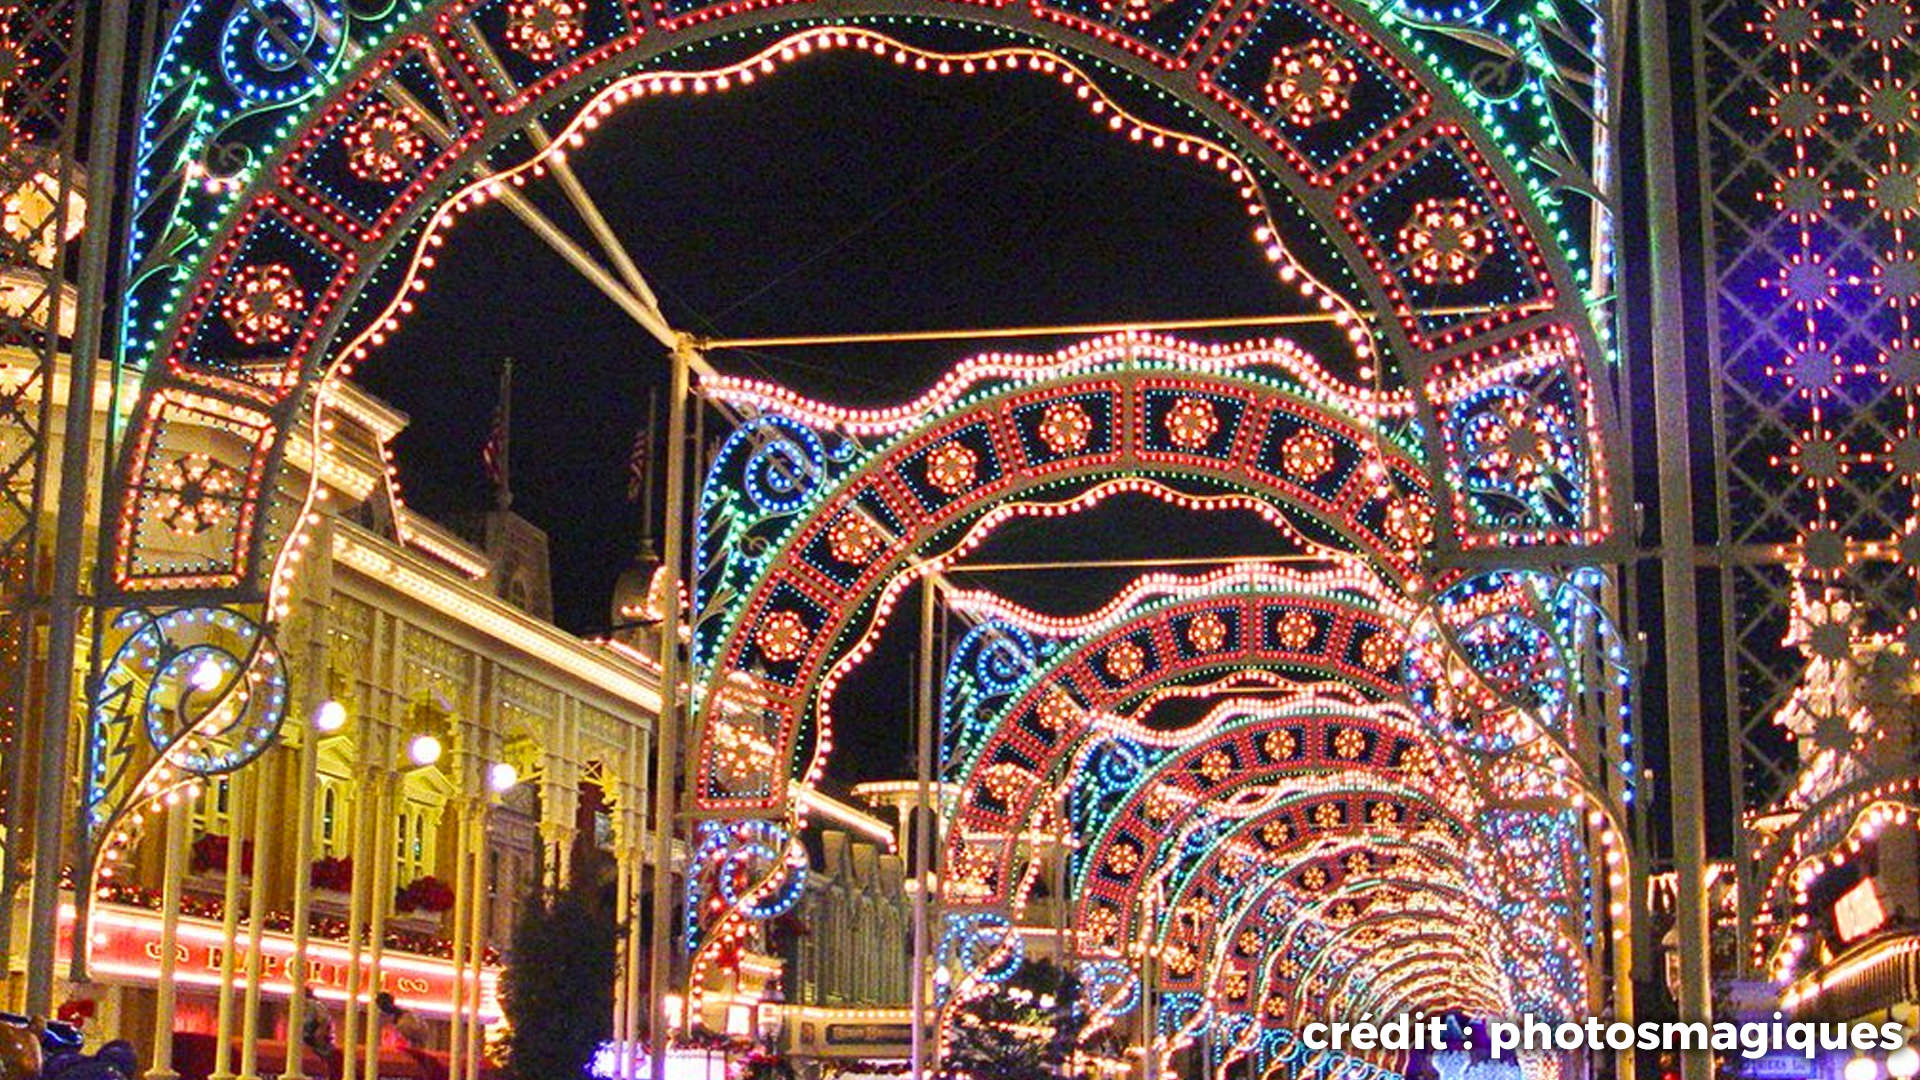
(1410, 523)
(1123, 859)
(1446, 240)
(1349, 743)
(854, 539)
(1295, 630)
(1279, 744)
(952, 468)
(1207, 633)
(1192, 423)
(262, 303)
(1311, 83)
(1161, 801)
(1065, 427)
(1306, 456)
(1216, 765)
(1276, 833)
(783, 636)
(1057, 710)
(1103, 924)
(1381, 651)
(1180, 959)
(199, 494)
(383, 145)
(1004, 780)
(1126, 661)
(542, 29)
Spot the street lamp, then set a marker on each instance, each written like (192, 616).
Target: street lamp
(423, 750)
(1903, 1063)
(502, 776)
(1861, 1068)
(330, 717)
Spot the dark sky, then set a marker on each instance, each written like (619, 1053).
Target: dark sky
(843, 195)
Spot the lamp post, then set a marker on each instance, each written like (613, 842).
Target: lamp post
(328, 720)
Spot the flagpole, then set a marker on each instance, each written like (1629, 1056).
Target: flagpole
(503, 490)
(646, 479)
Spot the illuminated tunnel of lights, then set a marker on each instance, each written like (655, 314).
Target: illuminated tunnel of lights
(1406, 789)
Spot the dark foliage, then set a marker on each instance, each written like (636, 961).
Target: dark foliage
(1025, 1029)
(558, 987)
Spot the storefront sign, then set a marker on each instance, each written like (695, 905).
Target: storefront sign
(1781, 1066)
(126, 945)
(868, 1034)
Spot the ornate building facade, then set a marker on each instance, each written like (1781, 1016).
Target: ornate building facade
(446, 750)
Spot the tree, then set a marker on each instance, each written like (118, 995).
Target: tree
(1024, 1029)
(557, 990)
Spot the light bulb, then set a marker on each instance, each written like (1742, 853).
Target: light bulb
(1861, 1068)
(1903, 1063)
(425, 750)
(205, 675)
(501, 776)
(330, 717)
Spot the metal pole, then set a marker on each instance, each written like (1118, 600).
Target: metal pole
(1666, 339)
(923, 813)
(270, 768)
(295, 1065)
(51, 797)
(666, 763)
(230, 916)
(178, 816)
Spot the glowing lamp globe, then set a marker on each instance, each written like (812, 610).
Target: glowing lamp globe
(205, 675)
(330, 717)
(425, 750)
(501, 776)
(1861, 1068)
(1903, 1063)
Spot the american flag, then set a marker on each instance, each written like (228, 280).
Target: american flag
(493, 455)
(639, 463)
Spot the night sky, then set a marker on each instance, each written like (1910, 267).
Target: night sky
(801, 205)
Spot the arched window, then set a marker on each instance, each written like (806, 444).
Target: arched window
(329, 818)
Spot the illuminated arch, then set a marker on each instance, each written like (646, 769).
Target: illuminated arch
(1016, 665)
(291, 188)
(278, 185)
(811, 534)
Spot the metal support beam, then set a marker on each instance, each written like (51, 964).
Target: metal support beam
(922, 825)
(1666, 338)
(666, 760)
(53, 795)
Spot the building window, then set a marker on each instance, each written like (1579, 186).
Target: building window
(401, 872)
(214, 814)
(329, 818)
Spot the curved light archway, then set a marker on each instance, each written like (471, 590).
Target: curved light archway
(294, 181)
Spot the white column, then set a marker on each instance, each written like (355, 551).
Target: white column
(229, 928)
(463, 899)
(363, 799)
(250, 1035)
(477, 934)
(302, 903)
(381, 853)
(179, 817)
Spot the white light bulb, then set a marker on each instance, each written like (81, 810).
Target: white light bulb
(1903, 1063)
(205, 675)
(330, 717)
(1861, 1068)
(501, 776)
(425, 750)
